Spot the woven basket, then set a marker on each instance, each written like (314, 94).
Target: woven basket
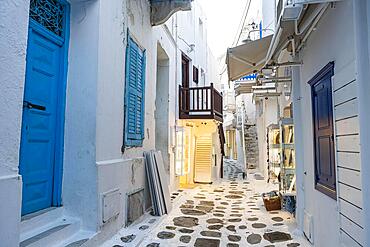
(273, 203)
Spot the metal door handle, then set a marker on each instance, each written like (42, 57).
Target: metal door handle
(29, 105)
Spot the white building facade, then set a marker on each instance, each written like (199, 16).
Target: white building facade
(84, 128)
(345, 211)
(329, 70)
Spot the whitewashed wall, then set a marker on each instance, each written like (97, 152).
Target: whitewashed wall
(93, 162)
(186, 29)
(331, 43)
(13, 43)
(126, 172)
(79, 186)
(250, 107)
(269, 116)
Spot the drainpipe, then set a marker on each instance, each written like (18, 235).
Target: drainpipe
(298, 137)
(244, 122)
(361, 13)
(175, 179)
(176, 72)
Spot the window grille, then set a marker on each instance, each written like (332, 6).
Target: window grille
(49, 14)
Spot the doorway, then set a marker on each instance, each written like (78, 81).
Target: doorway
(162, 106)
(203, 159)
(43, 106)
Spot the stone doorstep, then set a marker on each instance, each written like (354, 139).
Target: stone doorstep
(34, 239)
(50, 227)
(52, 234)
(39, 219)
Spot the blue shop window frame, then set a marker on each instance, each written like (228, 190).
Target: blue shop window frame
(134, 107)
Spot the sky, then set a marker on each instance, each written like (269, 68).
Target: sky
(223, 18)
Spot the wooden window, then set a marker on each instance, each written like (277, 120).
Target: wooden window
(195, 74)
(185, 71)
(322, 110)
(134, 95)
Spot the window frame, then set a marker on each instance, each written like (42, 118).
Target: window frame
(326, 72)
(134, 142)
(195, 74)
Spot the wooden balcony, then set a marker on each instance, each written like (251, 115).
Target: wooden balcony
(200, 103)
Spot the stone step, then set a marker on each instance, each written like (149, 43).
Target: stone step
(81, 238)
(40, 218)
(51, 228)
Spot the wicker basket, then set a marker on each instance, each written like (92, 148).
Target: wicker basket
(273, 203)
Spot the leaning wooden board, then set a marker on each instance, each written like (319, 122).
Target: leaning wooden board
(150, 183)
(158, 183)
(163, 180)
(153, 185)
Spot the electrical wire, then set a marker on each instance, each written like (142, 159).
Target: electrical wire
(240, 29)
(242, 22)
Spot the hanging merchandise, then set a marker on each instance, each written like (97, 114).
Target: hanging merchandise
(273, 152)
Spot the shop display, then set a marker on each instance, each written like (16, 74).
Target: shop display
(287, 166)
(288, 111)
(287, 175)
(281, 163)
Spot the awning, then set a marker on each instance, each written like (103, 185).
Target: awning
(280, 41)
(244, 87)
(247, 58)
(297, 31)
(162, 10)
(267, 90)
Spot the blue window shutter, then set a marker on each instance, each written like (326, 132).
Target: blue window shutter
(142, 113)
(134, 94)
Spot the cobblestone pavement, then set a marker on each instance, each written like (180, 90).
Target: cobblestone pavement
(230, 214)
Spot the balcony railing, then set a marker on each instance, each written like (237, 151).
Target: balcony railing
(200, 103)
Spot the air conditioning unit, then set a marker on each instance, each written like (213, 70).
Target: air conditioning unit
(308, 226)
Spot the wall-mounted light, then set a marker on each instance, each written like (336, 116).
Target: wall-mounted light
(191, 46)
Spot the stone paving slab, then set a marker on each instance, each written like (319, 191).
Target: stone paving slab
(230, 213)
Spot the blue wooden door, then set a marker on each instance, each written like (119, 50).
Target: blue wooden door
(39, 127)
(325, 170)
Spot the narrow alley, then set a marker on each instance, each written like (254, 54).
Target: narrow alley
(184, 123)
(229, 213)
